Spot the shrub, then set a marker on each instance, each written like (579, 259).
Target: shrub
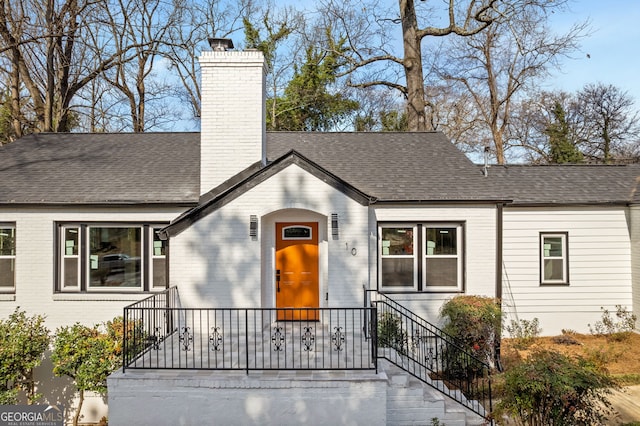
(390, 333)
(87, 355)
(549, 388)
(617, 330)
(476, 321)
(524, 332)
(23, 341)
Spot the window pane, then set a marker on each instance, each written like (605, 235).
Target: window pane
(114, 257)
(71, 241)
(552, 246)
(442, 241)
(159, 246)
(70, 272)
(7, 269)
(442, 272)
(397, 272)
(159, 273)
(7, 241)
(553, 270)
(397, 241)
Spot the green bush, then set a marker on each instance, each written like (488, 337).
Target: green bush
(617, 330)
(88, 355)
(523, 332)
(549, 388)
(390, 333)
(476, 321)
(23, 341)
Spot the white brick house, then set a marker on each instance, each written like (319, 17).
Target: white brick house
(91, 223)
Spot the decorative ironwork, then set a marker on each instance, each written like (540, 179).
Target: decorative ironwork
(337, 338)
(153, 340)
(277, 339)
(186, 338)
(430, 358)
(215, 338)
(308, 338)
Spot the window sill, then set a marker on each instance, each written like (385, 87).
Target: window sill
(101, 297)
(7, 297)
(554, 284)
(427, 291)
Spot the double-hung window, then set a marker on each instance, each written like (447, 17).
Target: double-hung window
(554, 261)
(421, 257)
(110, 257)
(7, 257)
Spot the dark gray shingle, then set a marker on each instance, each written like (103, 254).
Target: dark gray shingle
(70, 168)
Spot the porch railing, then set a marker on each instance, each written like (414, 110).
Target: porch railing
(431, 355)
(161, 334)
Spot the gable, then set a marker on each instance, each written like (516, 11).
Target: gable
(224, 194)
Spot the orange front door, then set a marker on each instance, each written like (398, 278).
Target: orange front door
(297, 270)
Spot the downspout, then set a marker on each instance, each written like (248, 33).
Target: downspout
(499, 225)
(499, 234)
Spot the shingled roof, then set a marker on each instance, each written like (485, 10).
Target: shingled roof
(163, 168)
(390, 166)
(101, 168)
(567, 184)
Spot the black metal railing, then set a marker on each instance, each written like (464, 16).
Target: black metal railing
(160, 334)
(431, 355)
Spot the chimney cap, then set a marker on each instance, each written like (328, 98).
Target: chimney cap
(220, 43)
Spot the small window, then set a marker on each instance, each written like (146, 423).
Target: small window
(296, 233)
(70, 267)
(7, 257)
(554, 268)
(159, 261)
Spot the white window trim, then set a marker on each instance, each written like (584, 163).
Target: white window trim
(12, 289)
(152, 257)
(459, 250)
(413, 256)
(564, 236)
(285, 228)
(63, 256)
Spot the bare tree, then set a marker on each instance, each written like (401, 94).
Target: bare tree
(501, 63)
(371, 26)
(51, 53)
(197, 21)
(144, 25)
(610, 122)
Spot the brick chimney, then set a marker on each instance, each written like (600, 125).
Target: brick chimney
(233, 129)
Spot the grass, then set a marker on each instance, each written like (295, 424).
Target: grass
(619, 354)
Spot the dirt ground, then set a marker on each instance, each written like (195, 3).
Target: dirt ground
(620, 357)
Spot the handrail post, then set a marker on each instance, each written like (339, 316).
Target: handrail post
(246, 338)
(374, 335)
(124, 340)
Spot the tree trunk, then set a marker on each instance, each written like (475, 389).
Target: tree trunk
(76, 417)
(416, 115)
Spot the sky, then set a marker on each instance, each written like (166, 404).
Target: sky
(611, 54)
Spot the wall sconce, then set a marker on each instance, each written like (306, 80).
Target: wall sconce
(334, 226)
(253, 227)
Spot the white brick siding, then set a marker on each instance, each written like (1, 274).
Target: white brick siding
(216, 263)
(35, 264)
(479, 250)
(233, 128)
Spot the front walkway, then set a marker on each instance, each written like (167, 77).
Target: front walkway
(627, 404)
